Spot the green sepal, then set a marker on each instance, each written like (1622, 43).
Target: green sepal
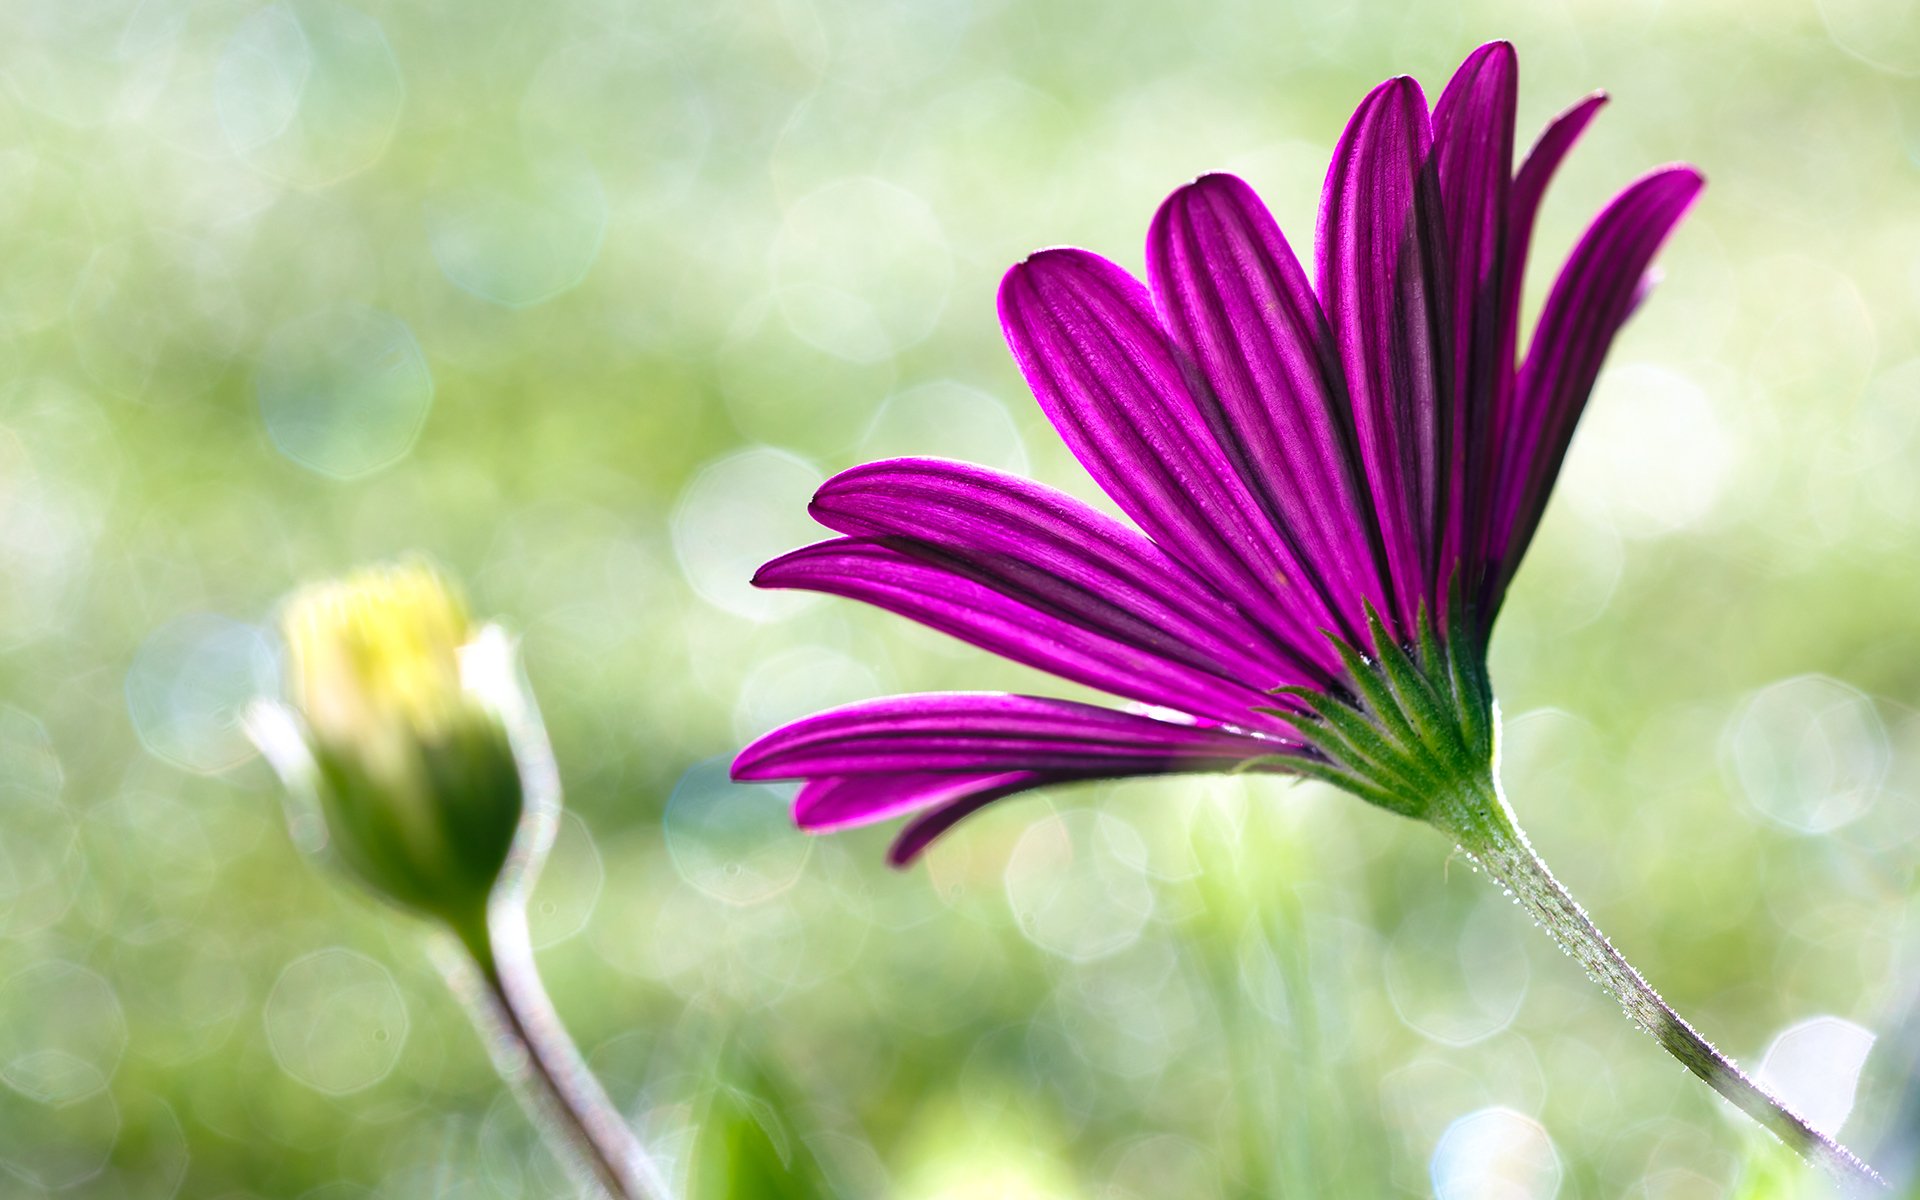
(1346, 736)
(1417, 726)
(1348, 782)
(429, 826)
(1467, 680)
(1365, 675)
(1420, 705)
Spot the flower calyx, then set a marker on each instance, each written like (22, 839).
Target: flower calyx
(1415, 730)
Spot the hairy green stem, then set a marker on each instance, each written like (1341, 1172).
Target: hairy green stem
(1483, 824)
(532, 1052)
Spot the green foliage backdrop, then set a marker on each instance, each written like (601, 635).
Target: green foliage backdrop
(584, 297)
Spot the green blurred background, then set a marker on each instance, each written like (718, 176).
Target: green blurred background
(585, 297)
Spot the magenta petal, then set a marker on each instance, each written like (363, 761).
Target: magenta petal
(1089, 565)
(1473, 156)
(1292, 455)
(1383, 284)
(842, 801)
(942, 801)
(1085, 336)
(1523, 207)
(1529, 186)
(1060, 624)
(986, 732)
(980, 792)
(1238, 303)
(1595, 292)
(924, 829)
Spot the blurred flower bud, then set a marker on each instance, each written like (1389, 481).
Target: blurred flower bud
(397, 731)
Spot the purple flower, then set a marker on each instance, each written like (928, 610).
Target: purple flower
(1330, 492)
(1330, 487)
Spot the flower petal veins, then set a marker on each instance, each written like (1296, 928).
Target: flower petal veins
(1300, 464)
(1239, 305)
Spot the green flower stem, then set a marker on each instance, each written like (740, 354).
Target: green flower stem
(532, 1052)
(529, 1045)
(1483, 824)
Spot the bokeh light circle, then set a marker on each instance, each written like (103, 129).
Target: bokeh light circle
(40, 860)
(862, 268)
(62, 1036)
(89, 63)
(737, 513)
(62, 1032)
(1654, 455)
(803, 680)
(336, 1021)
(308, 91)
(518, 224)
(56, 1147)
(1814, 1065)
(948, 420)
(1457, 982)
(344, 391)
(191, 682)
(1077, 884)
(45, 540)
(1495, 1154)
(31, 772)
(1160, 1166)
(733, 842)
(569, 885)
(1810, 753)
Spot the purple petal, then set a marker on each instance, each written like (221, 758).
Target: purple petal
(987, 732)
(1596, 290)
(1239, 305)
(842, 801)
(1024, 531)
(1058, 624)
(1383, 286)
(1085, 336)
(922, 831)
(1529, 186)
(981, 791)
(1473, 155)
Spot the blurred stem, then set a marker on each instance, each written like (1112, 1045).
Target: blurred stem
(532, 1052)
(1483, 824)
(529, 1045)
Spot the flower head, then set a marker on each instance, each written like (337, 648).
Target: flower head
(376, 656)
(396, 730)
(1330, 486)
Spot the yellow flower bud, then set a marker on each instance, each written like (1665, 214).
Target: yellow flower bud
(405, 747)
